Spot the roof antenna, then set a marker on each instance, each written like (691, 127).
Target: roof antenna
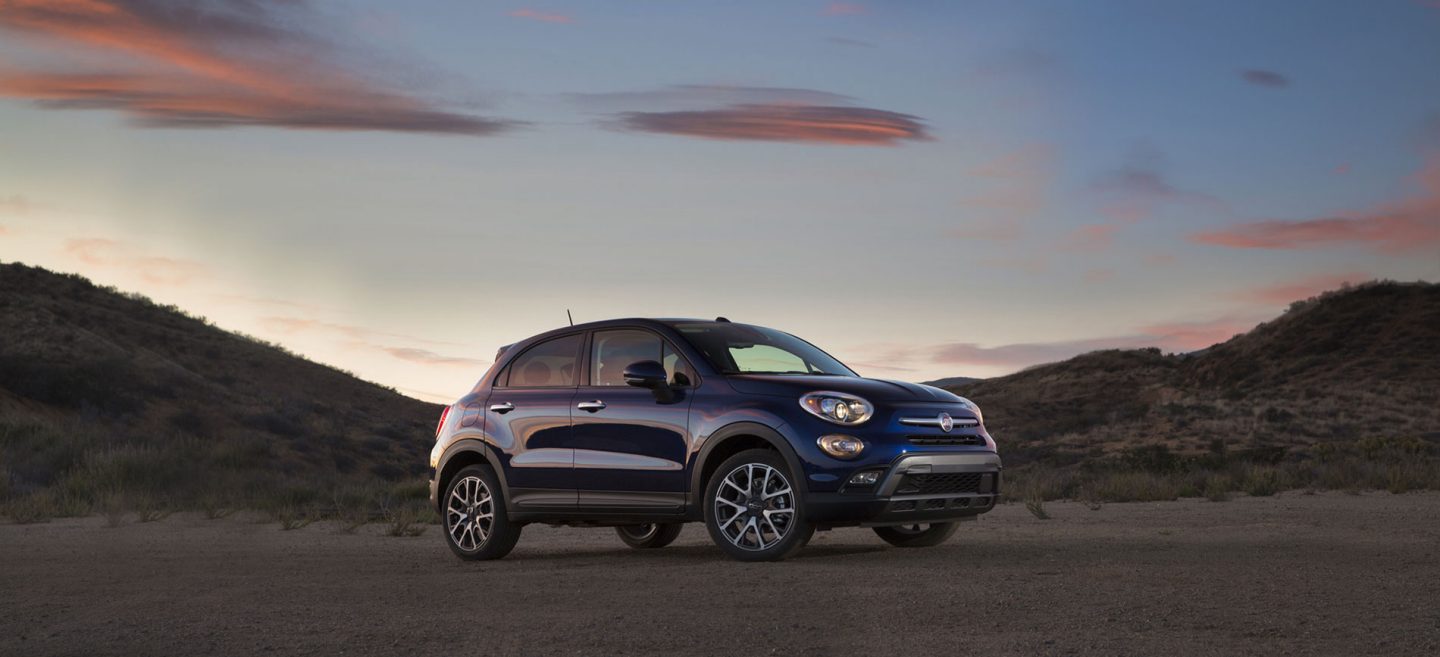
(569, 317)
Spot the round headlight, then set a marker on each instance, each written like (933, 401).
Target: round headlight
(841, 447)
(837, 407)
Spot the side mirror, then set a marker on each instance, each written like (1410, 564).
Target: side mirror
(650, 374)
(645, 374)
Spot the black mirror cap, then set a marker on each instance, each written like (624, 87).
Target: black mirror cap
(645, 374)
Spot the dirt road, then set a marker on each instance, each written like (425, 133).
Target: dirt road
(1327, 574)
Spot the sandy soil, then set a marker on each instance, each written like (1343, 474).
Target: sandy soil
(1327, 574)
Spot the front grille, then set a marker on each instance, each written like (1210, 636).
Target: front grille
(947, 440)
(943, 483)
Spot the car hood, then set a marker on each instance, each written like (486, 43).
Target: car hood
(782, 385)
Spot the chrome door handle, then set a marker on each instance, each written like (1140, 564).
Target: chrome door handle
(591, 406)
(502, 408)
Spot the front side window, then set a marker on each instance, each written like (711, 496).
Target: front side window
(743, 349)
(550, 364)
(615, 350)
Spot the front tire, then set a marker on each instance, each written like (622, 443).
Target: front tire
(753, 510)
(477, 527)
(910, 536)
(649, 535)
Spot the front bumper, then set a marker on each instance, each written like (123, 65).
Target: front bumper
(916, 488)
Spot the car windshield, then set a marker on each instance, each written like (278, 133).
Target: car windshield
(744, 349)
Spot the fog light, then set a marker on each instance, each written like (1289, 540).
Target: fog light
(865, 478)
(841, 447)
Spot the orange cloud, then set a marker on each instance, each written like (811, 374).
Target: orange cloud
(213, 65)
(852, 126)
(1407, 225)
(544, 17)
(1284, 293)
(152, 269)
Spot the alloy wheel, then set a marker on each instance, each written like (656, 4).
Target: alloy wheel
(470, 513)
(754, 507)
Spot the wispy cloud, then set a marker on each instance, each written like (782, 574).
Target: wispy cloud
(156, 270)
(360, 337)
(844, 9)
(427, 357)
(854, 43)
(1263, 78)
(1018, 186)
(1297, 290)
(705, 96)
(213, 65)
(297, 325)
(542, 16)
(1137, 190)
(853, 126)
(1176, 337)
(15, 205)
(1407, 225)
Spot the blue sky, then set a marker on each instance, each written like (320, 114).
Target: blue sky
(923, 188)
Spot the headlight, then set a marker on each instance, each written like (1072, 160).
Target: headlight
(837, 407)
(973, 409)
(841, 447)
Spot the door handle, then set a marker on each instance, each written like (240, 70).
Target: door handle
(591, 406)
(502, 408)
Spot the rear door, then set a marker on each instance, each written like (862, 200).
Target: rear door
(528, 416)
(630, 447)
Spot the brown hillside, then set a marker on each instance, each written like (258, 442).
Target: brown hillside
(105, 392)
(1361, 362)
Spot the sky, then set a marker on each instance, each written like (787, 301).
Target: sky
(923, 189)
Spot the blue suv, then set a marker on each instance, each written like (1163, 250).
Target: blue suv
(646, 424)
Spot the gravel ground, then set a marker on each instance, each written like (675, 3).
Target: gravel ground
(1327, 574)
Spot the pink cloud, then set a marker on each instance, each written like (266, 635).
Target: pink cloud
(542, 16)
(1342, 168)
(1173, 337)
(852, 126)
(1159, 259)
(426, 357)
(1093, 237)
(1407, 225)
(844, 9)
(1298, 290)
(213, 65)
(1020, 183)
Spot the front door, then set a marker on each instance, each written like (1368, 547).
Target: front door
(528, 417)
(630, 446)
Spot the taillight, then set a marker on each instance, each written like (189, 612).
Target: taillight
(443, 414)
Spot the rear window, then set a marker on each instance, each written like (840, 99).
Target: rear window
(550, 364)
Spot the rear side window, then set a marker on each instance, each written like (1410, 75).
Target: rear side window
(550, 364)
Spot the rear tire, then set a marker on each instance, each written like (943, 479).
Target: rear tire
(477, 527)
(753, 509)
(921, 535)
(649, 535)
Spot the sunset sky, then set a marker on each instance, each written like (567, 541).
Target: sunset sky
(924, 189)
